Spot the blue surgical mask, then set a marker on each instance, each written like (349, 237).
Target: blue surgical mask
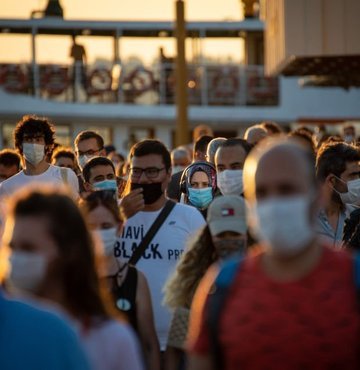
(200, 198)
(105, 185)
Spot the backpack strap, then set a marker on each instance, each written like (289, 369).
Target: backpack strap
(357, 274)
(152, 232)
(64, 175)
(216, 300)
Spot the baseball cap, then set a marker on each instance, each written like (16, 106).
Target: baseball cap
(227, 213)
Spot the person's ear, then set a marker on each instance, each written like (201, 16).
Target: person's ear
(102, 152)
(330, 180)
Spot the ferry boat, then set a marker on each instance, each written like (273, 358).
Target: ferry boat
(126, 103)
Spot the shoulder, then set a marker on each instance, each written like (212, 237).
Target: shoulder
(35, 320)
(188, 211)
(117, 331)
(8, 183)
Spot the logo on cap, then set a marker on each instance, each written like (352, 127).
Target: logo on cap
(225, 212)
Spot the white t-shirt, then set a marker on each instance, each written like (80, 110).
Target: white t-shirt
(51, 176)
(112, 346)
(162, 254)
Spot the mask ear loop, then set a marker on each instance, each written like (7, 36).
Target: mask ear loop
(338, 192)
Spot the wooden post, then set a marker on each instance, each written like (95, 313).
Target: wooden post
(182, 126)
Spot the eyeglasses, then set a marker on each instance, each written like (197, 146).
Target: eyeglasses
(150, 172)
(88, 152)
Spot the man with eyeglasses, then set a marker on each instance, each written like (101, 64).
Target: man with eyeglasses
(34, 141)
(88, 144)
(150, 173)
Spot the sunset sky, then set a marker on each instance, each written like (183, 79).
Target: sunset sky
(56, 49)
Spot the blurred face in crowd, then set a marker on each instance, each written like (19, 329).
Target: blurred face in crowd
(65, 162)
(230, 158)
(32, 246)
(7, 171)
(228, 243)
(285, 180)
(282, 198)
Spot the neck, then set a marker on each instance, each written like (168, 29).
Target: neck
(157, 205)
(292, 269)
(32, 170)
(332, 208)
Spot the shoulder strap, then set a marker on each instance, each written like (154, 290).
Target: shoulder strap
(152, 232)
(215, 304)
(357, 275)
(64, 175)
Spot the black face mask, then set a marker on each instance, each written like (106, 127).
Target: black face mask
(151, 192)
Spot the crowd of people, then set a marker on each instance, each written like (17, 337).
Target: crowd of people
(232, 253)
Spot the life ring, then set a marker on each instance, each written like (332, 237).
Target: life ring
(13, 78)
(54, 79)
(225, 83)
(99, 81)
(261, 87)
(139, 81)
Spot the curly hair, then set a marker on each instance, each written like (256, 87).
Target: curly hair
(33, 125)
(181, 286)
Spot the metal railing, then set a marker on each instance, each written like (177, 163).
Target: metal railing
(208, 85)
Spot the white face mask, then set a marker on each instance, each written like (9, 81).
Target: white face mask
(230, 182)
(348, 139)
(28, 270)
(83, 159)
(33, 153)
(352, 196)
(283, 224)
(108, 238)
(177, 169)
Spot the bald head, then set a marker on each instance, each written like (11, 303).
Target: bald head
(254, 134)
(279, 168)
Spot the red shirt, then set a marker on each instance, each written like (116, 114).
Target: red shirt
(312, 323)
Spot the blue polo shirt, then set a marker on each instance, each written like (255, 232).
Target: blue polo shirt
(33, 339)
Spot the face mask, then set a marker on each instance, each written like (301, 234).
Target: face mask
(28, 270)
(283, 224)
(151, 192)
(352, 196)
(177, 169)
(348, 139)
(105, 185)
(83, 159)
(33, 153)
(108, 238)
(200, 198)
(228, 247)
(230, 182)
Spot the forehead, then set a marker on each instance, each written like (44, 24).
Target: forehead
(101, 170)
(230, 154)
(282, 166)
(88, 144)
(29, 229)
(149, 160)
(8, 169)
(65, 160)
(100, 214)
(199, 176)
